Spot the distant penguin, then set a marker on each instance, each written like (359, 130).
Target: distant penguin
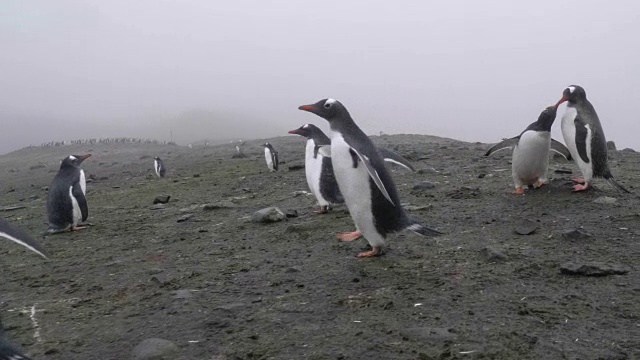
(66, 202)
(585, 139)
(366, 185)
(530, 160)
(18, 236)
(158, 165)
(318, 168)
(271, 156)
(7, 350)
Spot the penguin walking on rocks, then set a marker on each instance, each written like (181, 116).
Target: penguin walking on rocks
(18, 236)
(66, 202)
(158, 165)
(585, 139)
(318, 168)
(530, 159)
(7, 350)
(271, 156)
(366, 185)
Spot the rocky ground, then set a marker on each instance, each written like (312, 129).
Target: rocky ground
(548, 275)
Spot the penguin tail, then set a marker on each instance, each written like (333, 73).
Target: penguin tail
(616, 184)
(423, 230)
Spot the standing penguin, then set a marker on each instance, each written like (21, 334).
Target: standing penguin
(271, 156)
(366, 185)
(7, 350)
(318, 168)
(16, 235)
(530, 160)
(66, 202)
(158, 165)
(585, 139)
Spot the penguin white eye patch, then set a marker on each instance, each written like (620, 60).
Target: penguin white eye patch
(329, 102)
(571, 89)
(73, 157)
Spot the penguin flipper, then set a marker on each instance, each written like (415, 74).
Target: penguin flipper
(582, 132)
(19, 237)
(392, 157)
(373, 174)
(559, 148)
(82, 201)
(504, 144)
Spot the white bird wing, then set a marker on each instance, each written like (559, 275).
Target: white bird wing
(373, 173)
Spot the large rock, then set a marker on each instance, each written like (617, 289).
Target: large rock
(268, 215)
(155, 349)
(162, 199)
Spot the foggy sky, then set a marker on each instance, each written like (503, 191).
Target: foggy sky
(470, 70)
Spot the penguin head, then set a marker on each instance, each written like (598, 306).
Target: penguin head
(304, 130)
(73, 161)
(328, 109)
(572, 94)
(547, 117)
(156, 158)
(267, 145)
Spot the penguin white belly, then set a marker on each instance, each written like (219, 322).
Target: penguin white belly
(569, 134)
(267, 158)
(157, 167)
(531, 158)
(83, 182)
(77, 214)
(313, 170)
(356, 189)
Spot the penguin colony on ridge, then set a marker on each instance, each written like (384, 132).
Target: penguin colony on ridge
(66, 202)
(158, 165)
(530, 159)
(368, 190)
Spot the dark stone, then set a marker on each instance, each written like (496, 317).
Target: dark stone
(216, 206)
(158, 207)
(184, 217)
(196, 175)
(593, 269)
(526, 227)
(575, 234)
(562, 171)
(291, 213)
(294, 167)
(162, 199)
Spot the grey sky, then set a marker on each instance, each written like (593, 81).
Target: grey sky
(471, 70)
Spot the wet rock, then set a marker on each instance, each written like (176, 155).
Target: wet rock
(575, 234)
(161, 199)
(493, 254)
(606, 200)
(593, 269)
(216, 206)
(184, 217)
(291, 213)
(423, 185)
(268, 215)
(562, 171)
(294, 167)
(611, 146)
(158, 207)
(525, 227)
(155, 349)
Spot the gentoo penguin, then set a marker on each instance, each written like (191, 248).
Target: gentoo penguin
(7, 350)
(318, 168)
(366, 185)
(271, 156)
(66, 202)
(531, 151)
(18, 236)
(158, 165)
(585, 139)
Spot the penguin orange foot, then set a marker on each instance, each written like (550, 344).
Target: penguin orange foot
(540, 184)
(578, 180)
(349, 236)
(322, 210)
(581, 187)
(376, 251)
(76, 228)
(519, 191)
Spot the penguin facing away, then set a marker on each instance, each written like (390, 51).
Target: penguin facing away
(158, 165)
(530, 159)
(271, 157)
(7, 350)
(585, 139)
(66, 202)
(366, 185)
(318, 168)
(18, 236)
